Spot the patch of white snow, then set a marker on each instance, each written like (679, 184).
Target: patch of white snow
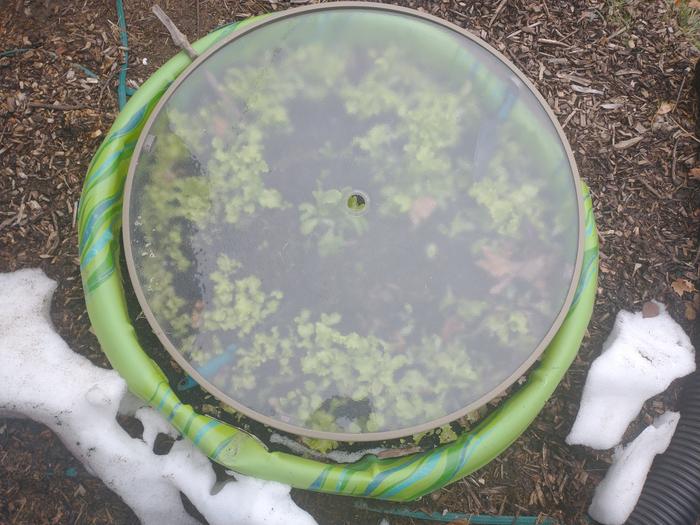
(640, 358)
(616, 496)
(43, 379)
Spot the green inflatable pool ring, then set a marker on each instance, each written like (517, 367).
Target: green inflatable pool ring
(398, 479)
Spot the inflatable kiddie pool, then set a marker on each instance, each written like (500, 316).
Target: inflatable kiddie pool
(352, 222)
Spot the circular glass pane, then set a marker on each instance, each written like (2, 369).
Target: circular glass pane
(353, 222)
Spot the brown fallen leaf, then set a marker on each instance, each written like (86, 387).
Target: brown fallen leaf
(220, 126)
(681, 286)
(665, 107)
(695, 173)
(690, 313)
(500, 265)
(650, 310)
(421, 209)
(452, 325)
(694, 4)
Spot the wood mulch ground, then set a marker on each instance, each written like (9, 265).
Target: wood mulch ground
(619, 76)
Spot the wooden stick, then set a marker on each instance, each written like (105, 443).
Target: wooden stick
(178, 37)
(58, 107)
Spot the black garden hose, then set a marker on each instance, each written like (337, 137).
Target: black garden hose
(671, 494)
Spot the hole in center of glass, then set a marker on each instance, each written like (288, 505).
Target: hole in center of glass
(357, 202)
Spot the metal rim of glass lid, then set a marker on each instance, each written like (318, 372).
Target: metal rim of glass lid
(353, 221)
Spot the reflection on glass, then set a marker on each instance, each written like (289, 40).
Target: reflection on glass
(354, 221)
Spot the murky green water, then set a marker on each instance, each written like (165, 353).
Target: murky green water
(354, 221)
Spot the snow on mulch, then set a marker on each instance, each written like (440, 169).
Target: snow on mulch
(643, 354)
(640, 359)
(616, 496)
(41, 378)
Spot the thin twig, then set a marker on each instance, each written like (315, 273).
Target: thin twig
(59, 107)
(685, 131)
(516, 60)
(566, 121)
(650, 188)
(552, 42)
(178, 37)
(497, 12)
(197, 27)
(546, 9)
(680, 91)
(105, 84)
(673, 162)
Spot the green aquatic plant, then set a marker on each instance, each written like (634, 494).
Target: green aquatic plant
(506, 325)
(322, 218)
(507, 204)
(413, 157)
(339, 313)
(363, 368)
(238, 304)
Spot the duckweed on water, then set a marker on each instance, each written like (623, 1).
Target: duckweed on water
(340, 315)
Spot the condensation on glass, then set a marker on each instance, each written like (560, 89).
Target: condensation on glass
(353, 222)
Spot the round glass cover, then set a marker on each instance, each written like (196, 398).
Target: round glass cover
(353, 221)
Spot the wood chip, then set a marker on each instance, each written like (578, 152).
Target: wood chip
(587, 90)
(624, 144)
(623, 72)
(552, 42)
(574, 78)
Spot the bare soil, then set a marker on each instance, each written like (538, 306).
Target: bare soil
(619, 76)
